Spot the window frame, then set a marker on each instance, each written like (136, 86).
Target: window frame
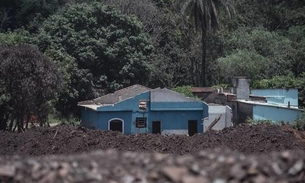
(141, 122)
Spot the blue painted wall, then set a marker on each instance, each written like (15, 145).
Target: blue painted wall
(278, 96)
(105, 117)
(176, 120)
(131, 104)
(89, 118)
(276, 114)
(173, 115)
(177, 106)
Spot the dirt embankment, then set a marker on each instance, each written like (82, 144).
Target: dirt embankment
(241, 154)
(258, 139)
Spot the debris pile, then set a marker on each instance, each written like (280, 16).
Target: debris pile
(209, 166)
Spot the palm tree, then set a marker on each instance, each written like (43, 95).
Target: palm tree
(205, 18)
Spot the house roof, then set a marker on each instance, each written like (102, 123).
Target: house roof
(268, 104)
(157, 95)
(166, 95)
(117, 96)
(202, 89)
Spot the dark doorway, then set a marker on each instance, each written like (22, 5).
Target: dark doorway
(156, 127)
(192, 127)
(116, 125)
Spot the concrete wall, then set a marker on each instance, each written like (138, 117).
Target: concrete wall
(242, 88)
(99, 120)
(175, 121)
(210, 98)
(105, 117)
(215, 112)
(89, 118)
(278, 96)
(244, 111)
(276, 114)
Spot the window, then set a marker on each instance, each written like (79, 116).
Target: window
(143, 105)
(141, 122)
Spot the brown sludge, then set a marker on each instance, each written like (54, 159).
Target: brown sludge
(254, 154)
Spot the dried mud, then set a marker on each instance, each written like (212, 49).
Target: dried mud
(251, 154)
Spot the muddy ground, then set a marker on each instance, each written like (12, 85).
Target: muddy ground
(65, 139)
(244, 153)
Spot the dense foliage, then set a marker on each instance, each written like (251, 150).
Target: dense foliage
(287, 81)
(28, 82)
(106, 50)
(102, 45)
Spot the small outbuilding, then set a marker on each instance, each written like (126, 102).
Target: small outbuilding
(138, 109)
(223, 112)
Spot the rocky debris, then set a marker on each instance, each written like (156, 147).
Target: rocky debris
(209, 166)
(257, 139)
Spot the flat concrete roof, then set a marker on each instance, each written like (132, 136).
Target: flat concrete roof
(268, 104)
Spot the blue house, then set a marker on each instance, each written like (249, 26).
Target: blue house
(138, 109)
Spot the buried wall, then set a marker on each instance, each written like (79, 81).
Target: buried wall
(275, 113)
(241, 112)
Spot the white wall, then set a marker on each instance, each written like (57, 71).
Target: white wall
(215, 112)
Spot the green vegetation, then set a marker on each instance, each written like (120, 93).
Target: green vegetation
(288, 81)
(102, 45)
(29, 81)
(96, 53)
(262, 121)
(185, 90)
(204, 14)
(298, 124)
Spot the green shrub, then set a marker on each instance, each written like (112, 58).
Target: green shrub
(185, 90)
(299, 124)
(261, 121)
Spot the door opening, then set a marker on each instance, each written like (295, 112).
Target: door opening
(192, 127)
(156, 127)
(116, 125)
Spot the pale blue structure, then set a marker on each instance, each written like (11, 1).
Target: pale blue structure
(278, 96)
(276, 113)
(138, 109)
(281, 106)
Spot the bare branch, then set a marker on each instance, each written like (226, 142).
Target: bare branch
(4, 17)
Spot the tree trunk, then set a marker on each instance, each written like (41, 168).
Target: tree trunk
(16, 125)
(27, 121)
(203, 61)
(11, 124)
(3, 121)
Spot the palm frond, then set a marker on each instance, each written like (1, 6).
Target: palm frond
(205, 12)
(185, 6)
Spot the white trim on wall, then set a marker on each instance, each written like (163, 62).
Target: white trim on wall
(116, 119)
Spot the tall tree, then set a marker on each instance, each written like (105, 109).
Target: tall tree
(172, 40)
(28, 82)
(98, 49)
(205, 17)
